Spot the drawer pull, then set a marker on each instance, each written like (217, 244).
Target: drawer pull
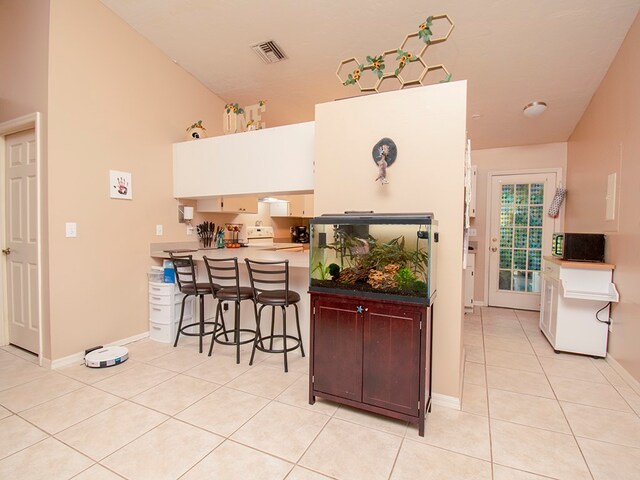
(156, 328)
(156, 309)
(157, 298)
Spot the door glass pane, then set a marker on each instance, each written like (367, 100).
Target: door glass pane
(505, 280)
(507, 194)
(506, 237)
(519, 284)
(535, 238)
(522, 194)
(521, 216)
(505, 258)
(520, 240)
(506, 216)
(535, 220)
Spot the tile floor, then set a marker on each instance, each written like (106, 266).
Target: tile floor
(168, 413)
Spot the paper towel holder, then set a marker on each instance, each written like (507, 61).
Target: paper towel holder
(185, 214)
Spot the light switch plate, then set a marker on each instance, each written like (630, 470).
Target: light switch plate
(473, 232)
(159, 230)
(71, 229)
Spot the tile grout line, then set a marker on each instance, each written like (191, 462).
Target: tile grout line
(486, 393)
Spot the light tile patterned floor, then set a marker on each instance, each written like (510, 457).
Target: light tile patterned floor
(527, 414)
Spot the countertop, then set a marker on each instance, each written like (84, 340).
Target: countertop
(585, 265)
(277, 252)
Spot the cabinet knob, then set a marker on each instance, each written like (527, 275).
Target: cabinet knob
(494, 249)
(359, 309)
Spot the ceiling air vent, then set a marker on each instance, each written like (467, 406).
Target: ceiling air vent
(268, 51)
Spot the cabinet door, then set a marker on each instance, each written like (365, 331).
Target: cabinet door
(279, 209)
(308, 206)
(240, 204)
(391, 357)
(337, 348)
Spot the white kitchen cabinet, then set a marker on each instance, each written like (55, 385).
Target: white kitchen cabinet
(572, 293)
(472, 196)
(165, 303)
(300, 206)
(469, 280)
(244, 204)
(278, 159)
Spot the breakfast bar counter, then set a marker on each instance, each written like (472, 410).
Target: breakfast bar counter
(298, 277)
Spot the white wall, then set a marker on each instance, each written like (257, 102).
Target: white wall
(428, 125)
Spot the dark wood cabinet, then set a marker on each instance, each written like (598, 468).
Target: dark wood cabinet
(371, 354)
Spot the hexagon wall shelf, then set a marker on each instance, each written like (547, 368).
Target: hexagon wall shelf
(411, 69)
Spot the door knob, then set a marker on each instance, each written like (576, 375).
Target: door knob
(494, 249)
(6, 251)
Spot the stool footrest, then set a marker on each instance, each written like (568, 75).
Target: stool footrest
(262, 340)
(231, 333)
(197, 334)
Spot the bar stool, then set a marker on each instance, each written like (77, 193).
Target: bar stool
(223, 273)
(270, 285)
(188, 285)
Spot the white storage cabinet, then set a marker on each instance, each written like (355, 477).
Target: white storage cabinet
(165, 302)
(469, 281)
(572, 293)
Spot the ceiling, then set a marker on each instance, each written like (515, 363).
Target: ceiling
(510, 52)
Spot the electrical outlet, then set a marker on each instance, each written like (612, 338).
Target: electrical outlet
(71, 229)
(225, 306)
(189, 230)
(159, 230)
(473, 232)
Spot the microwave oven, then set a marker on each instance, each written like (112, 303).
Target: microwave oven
(578, 247)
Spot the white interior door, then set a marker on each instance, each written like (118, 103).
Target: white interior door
(21, 240)
(520, 234)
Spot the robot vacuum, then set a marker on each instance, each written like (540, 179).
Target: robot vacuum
(106, 357)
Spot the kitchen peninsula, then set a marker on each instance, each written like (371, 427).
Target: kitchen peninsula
(298, 273)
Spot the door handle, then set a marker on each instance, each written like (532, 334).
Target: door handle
(7, 251)
(494, 249)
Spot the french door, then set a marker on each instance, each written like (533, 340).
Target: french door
(520, 234)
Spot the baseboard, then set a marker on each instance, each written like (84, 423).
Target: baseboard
(626, 376)
(478, 303)
(445, 401)
(77, 358)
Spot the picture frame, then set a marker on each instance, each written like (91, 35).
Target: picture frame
(120, 185)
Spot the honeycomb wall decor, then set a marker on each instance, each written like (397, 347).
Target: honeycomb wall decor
(411, 67)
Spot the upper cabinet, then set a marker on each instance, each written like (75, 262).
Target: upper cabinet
(278, 159)
(248, 204)
(293, 206)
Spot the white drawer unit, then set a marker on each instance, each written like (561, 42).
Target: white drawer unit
(165, 302)
(572, 294)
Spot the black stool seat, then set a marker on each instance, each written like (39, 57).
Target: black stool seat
(277, 297)
(225, 272)
(229, 294)
(201, 289)
(270, 284)
(188, 285)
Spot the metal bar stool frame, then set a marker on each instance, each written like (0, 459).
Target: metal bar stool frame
(224, 274)
(264, 276)
(189, 286)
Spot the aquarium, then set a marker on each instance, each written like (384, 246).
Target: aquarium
(390, 256)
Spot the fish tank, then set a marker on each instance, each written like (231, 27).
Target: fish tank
(384, 256)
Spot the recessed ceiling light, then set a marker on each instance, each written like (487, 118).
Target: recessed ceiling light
(534, 109)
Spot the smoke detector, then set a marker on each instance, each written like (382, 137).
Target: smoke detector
(268, 51)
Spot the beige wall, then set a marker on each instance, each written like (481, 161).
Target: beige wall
(607, 140)
(115, 102)
(24, 42)
(24, 50)
(529, 157)
(428, 126)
